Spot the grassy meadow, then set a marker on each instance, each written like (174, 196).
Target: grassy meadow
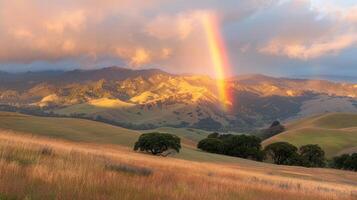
(64, 158)
(33, 167)
(336, 133)
(79, 130)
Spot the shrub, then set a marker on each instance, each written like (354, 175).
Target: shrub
(351, 162)
(283, 153)
(294, 160)
(212, 145)
(157, 143)
(338, 162)
(312, 155)
(244, 146)
(345, 161)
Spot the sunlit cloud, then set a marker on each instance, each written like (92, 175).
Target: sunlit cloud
(339, 34)
(66, 21)
(312, 50)
(172, 27)
(169, 34)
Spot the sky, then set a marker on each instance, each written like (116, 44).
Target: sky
(274, 37)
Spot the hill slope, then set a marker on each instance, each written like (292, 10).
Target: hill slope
(66, 170)
(67, 128)
(80, 130)
(336, 133)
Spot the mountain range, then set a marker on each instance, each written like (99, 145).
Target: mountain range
(155, 98)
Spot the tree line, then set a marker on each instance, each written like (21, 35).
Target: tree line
(280, 153)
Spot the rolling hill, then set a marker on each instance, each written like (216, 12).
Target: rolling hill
(336, 133)
(33, 167)
(81, 159)
(80, 130)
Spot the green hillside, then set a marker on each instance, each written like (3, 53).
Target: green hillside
(336, 133)
(80, 130)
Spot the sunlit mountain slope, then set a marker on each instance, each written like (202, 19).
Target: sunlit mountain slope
(155, 98)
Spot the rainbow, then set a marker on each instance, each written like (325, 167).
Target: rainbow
(218, 57)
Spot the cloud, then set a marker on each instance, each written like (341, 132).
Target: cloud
(312, 50)
(138, 32)
(136, 57)
(169, 34)
(325, 35)
(168, 27)
(69, 21)
(60, 30)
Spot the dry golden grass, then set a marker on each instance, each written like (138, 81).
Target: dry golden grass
(39, 168)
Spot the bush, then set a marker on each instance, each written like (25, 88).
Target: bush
(338, 162)
(157, 143)
(283, 153)
(345, 161)
(312, 155)
(294, 160)
(351, 162)
(212, 145)
(243, 146)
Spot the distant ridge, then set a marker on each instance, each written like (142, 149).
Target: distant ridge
(108, 73)
(158, 98)
(17, 80)
(335, 78)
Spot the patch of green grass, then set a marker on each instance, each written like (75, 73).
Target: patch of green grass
(80, 108)
(94, 106)
(67, 128)
(337, 121)
(333, 132)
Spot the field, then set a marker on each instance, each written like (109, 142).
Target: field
(33, 167)
(335, 133)
(64, 158)
(79, 130)
(67, 128)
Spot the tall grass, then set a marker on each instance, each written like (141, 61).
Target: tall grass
(39, 168)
